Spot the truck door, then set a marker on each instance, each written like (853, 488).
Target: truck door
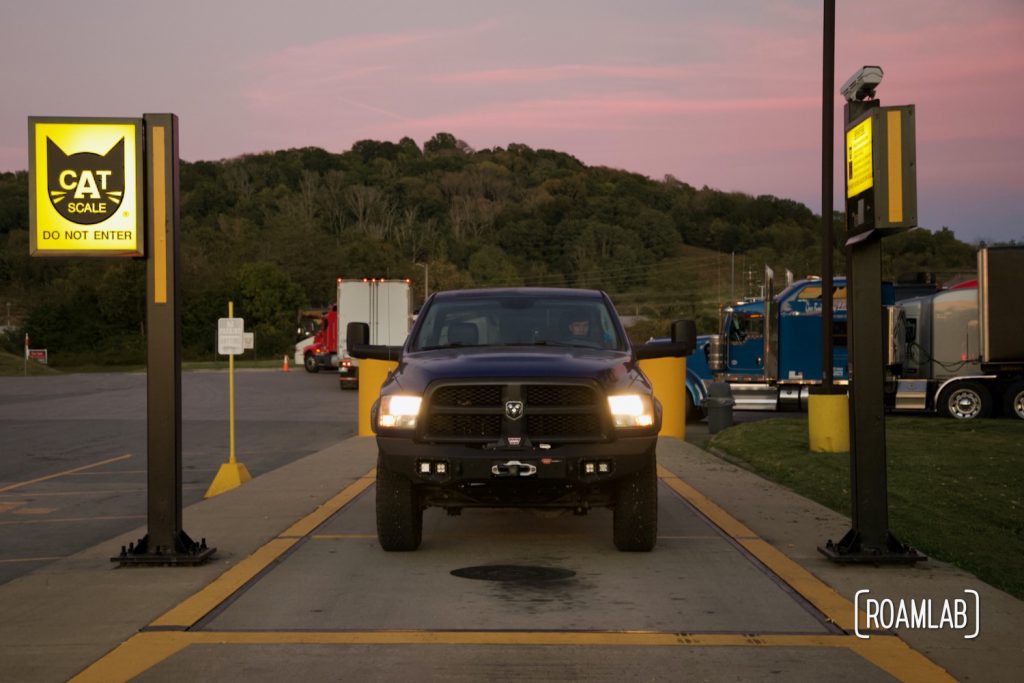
(746, 344)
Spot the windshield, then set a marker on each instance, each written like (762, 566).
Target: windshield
(517, 320)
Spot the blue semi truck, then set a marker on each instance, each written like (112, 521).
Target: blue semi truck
(771, 356)
(957, 352)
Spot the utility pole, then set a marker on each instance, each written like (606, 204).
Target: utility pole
(426, 280)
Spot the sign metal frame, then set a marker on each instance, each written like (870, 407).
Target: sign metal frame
(134, 185)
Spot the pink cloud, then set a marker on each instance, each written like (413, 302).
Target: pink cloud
(562, 72)
(620, 112)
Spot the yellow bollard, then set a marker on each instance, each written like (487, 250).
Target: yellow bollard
(828, 423)
(668, 379)
(372, 374)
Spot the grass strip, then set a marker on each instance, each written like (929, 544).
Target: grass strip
(956, 488)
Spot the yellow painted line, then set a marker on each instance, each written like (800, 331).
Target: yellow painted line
(145, 650)
(202, 603)
(62, 520)
(314, 519)
(206, 600)
(134, 656)
(5, 507)
(82, 474)
(899, 660)
(33, 511)
(889, 653)
(11, 487)
(825, 599)
(341, 537)
(50, 494)
(16, 560)
(159, 217)
(585, 638)
(895, 165)
(722, 519)
(687, 538)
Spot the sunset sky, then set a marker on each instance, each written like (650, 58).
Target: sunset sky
(725, 93)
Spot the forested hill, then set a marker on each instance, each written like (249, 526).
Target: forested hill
(271, 231)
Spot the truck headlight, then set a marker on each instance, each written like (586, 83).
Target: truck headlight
(631, 410)
(398, 411)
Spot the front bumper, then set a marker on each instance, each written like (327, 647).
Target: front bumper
(516, 477)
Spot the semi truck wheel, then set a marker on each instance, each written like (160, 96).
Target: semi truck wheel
(635, 517)
(1015, 400)
(965, 401)
(693, 413)
(399, 515)
(310, 363)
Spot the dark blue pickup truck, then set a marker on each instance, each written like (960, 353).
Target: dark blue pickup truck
(517, 398)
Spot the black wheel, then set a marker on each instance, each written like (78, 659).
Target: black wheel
(399, 515)
(635, 517)
(1015, 400)
(965, 401)
(311, 364)
(693, 413)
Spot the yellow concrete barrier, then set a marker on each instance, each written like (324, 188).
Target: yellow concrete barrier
(372, 374)
(668, 379)
(828, 423)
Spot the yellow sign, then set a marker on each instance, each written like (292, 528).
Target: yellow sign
(859, 172)
(85, 187)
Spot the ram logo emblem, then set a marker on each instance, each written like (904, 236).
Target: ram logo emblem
(514, 409)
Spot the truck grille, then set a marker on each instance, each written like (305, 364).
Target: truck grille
(552, 413)
(468, 395)
(485, 426)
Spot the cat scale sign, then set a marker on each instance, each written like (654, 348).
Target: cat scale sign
(85, 187)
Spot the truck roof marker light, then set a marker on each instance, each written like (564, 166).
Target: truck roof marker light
(340, 280)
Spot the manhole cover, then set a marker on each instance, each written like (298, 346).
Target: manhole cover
(512, 572)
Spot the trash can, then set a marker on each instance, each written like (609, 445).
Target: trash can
(719, 403)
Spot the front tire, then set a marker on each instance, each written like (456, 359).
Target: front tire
(635, 517)
(310, 363)
(965, 401)
(399, 515)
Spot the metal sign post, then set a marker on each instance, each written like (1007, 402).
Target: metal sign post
(872, 192)
(232, 340)
(165, 542)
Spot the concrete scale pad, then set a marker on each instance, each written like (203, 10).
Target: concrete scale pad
(695, 580)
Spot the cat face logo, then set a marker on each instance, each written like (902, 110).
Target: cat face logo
(85, 188)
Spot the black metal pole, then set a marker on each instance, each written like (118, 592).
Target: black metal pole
(827, 151)
(165, 541)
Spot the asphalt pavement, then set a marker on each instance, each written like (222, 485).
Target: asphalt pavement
(73, 465)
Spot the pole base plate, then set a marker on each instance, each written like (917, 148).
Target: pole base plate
(852, 550)
(185, 552)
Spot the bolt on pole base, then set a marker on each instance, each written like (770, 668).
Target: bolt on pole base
(852, 550)
(186, 552)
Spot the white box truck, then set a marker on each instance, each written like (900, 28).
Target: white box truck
(385, 304)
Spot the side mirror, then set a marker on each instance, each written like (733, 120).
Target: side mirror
(683, 334)
(356, 337)
(357, 334)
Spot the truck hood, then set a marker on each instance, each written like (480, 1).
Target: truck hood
(611, 369)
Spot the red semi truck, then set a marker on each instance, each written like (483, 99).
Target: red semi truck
(385, 304)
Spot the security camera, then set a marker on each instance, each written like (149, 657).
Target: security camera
(862, 84)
